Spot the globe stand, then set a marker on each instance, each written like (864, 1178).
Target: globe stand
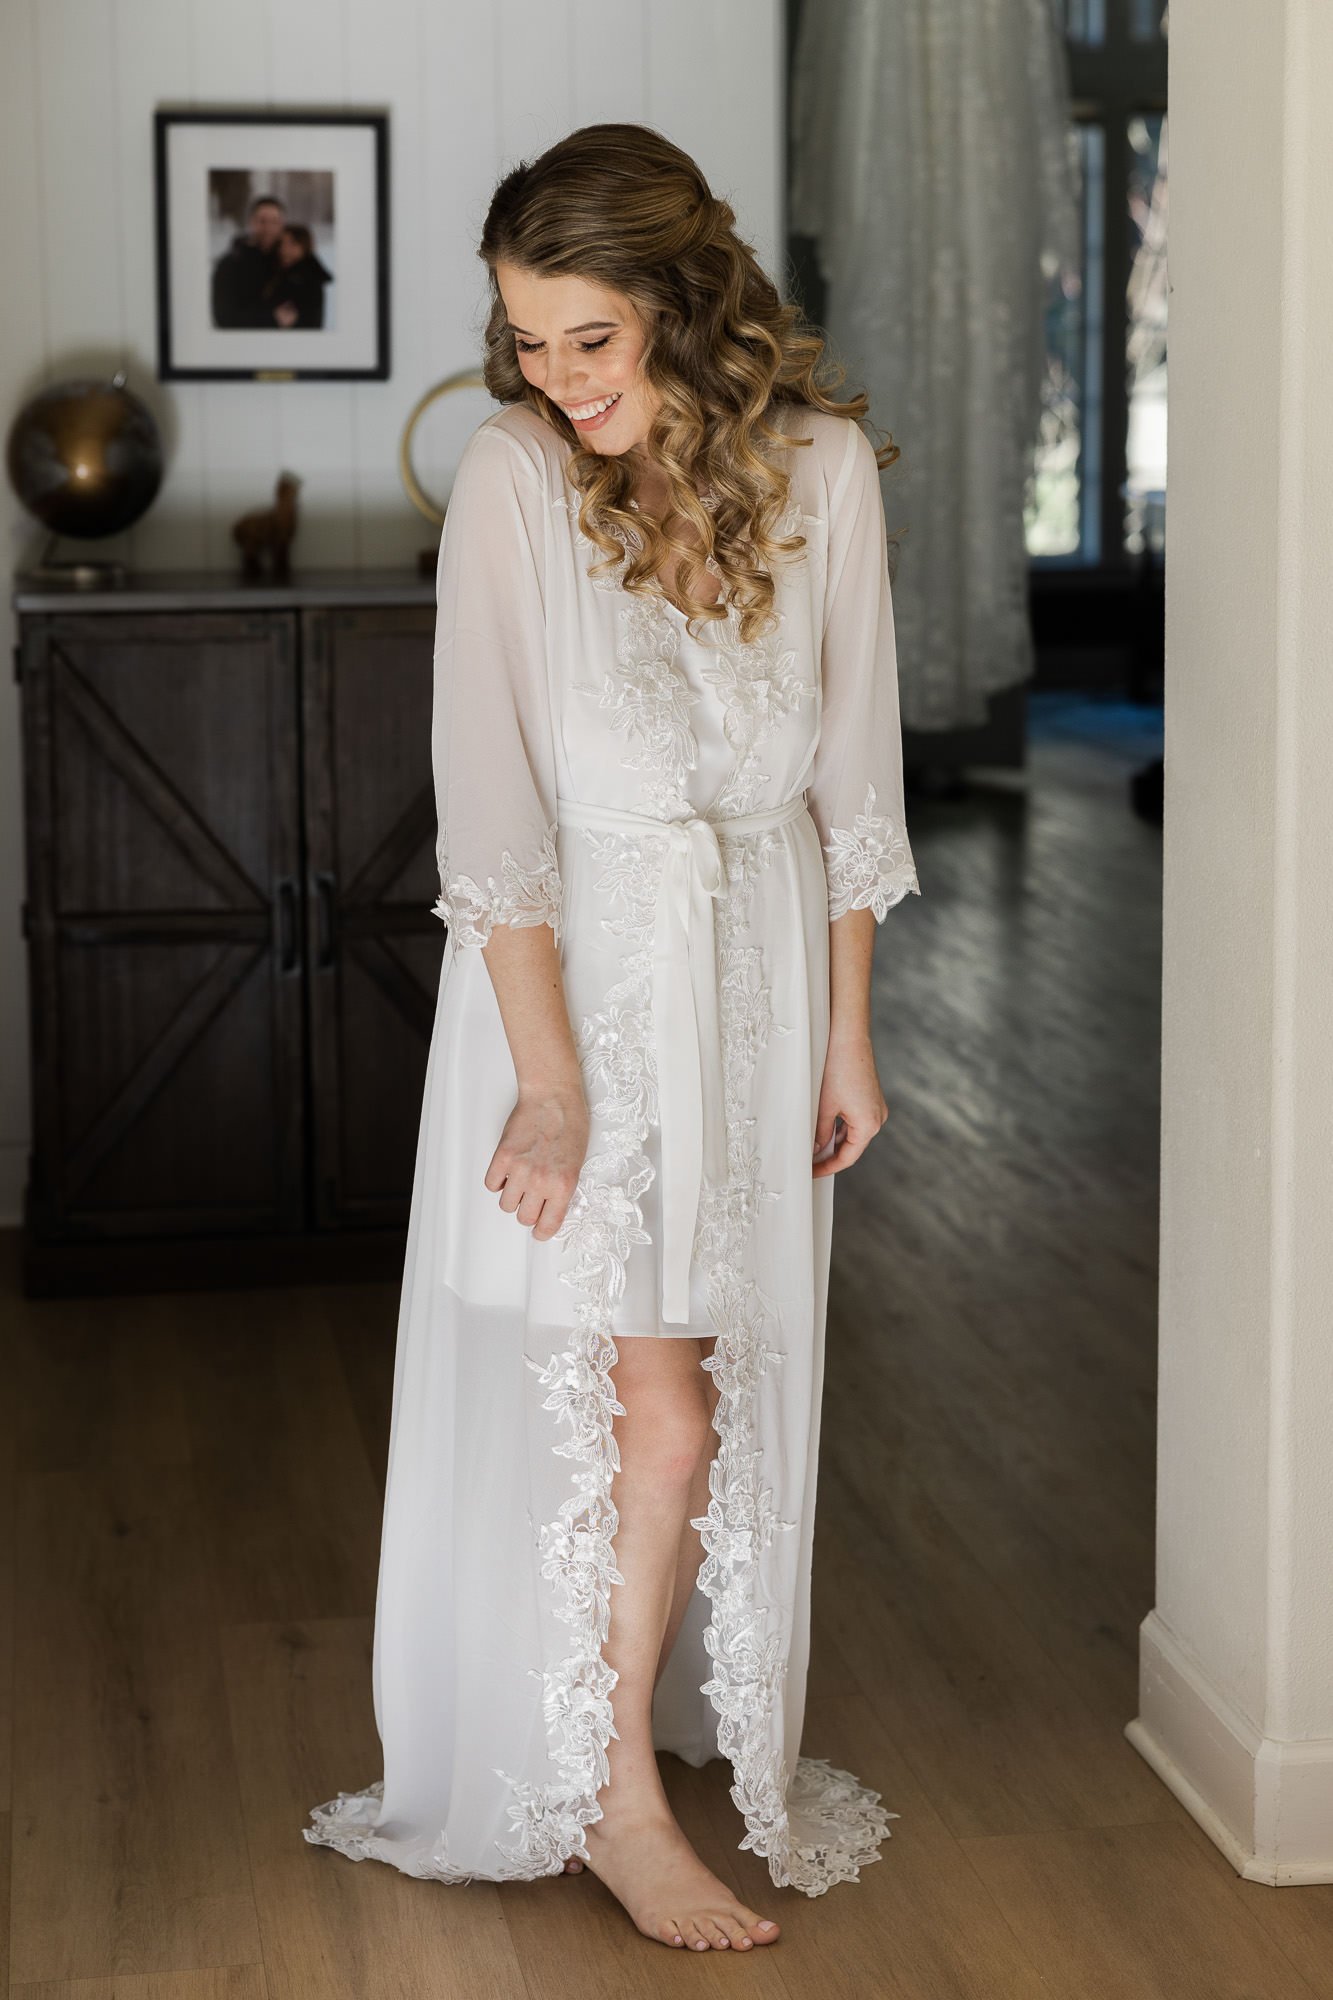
(80, 571)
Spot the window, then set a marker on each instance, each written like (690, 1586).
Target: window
(1145, 356)
(1098, 491)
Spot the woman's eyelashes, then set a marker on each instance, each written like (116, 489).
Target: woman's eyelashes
(587, 346)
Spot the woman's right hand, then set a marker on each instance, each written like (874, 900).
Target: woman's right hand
(535, 1168)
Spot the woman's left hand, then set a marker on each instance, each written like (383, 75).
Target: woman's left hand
(850, 1091)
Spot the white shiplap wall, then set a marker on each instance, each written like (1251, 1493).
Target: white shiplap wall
(469, 90)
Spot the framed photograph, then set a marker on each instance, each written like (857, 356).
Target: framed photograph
(272, 246)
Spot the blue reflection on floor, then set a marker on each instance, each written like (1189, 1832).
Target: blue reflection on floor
(1131, 730)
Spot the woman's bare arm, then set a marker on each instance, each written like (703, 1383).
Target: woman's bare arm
(851, 943)
(851, 1087)
(535, 1167)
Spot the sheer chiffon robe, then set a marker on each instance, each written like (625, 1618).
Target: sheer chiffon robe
(687, 814)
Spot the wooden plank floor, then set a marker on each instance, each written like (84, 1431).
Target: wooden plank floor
(189, 1521)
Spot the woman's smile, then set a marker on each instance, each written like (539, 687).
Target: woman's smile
(590, 416)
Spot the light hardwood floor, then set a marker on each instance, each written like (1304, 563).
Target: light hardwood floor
(189, 1537)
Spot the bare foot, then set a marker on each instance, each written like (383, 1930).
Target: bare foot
(649, 1866)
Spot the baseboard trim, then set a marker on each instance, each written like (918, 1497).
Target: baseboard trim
(1266, 1804)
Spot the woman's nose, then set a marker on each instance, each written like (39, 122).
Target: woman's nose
(562, 387)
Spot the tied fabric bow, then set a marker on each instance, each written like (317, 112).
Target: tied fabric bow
(691, 1111)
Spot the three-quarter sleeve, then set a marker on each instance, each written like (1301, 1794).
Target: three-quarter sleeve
(491, 734)
(856, 778)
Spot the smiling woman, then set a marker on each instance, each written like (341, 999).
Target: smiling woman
(591, 370)
(667, 311)
(669, 785)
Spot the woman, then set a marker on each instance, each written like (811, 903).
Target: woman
(296, 294)
(669, 823)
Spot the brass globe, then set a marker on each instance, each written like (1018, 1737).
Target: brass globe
(85, 457)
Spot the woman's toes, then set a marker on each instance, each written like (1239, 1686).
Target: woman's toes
(762, 1929)
(669, 1933)
(736, 1932)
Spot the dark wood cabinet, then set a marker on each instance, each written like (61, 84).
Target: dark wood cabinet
(233, 967)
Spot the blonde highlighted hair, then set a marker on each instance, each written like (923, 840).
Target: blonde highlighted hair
(621, 206)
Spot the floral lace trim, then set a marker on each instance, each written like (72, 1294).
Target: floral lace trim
(819, 1826)
(759, 687)
(869, 867)
(835, 1826)
(522, 896)
(649, 699)
(604, 1221)
(348, 1824)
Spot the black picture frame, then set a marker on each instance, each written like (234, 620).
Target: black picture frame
(193, 345)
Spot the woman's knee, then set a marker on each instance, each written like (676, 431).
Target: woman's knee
(667, 1426)
(666, 1441)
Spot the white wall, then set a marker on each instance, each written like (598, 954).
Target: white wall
(1236, 1708)
(469, 90)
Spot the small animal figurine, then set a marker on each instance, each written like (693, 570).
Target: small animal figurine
(269, 530)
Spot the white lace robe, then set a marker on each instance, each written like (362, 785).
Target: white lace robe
(497, 1570)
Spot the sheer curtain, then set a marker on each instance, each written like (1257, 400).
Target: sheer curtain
(933, 166)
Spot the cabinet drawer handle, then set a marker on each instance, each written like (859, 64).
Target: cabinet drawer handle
(325, 887)
(284, 911)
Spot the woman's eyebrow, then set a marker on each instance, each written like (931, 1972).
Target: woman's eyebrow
(589, 326)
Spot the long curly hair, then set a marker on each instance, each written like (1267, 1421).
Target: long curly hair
(621, 206)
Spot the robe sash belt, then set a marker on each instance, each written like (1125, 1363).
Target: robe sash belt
(686, 1028)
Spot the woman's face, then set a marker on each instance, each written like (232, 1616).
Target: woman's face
(581, 345)
(289, 250)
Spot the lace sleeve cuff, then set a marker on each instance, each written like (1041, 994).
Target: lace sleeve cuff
(522, 896)
(871, 866)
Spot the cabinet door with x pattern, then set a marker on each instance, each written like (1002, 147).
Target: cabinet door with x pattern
(164, 921)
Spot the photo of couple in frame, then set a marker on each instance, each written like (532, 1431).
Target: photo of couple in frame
(272, 245)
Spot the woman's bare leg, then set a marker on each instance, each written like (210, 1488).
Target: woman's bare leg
(691, 1553)
(637, 1847)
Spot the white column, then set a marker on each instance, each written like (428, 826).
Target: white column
(1236, 1692)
